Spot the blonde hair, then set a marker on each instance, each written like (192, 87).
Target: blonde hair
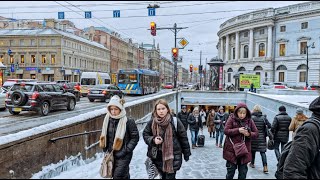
(257, 108)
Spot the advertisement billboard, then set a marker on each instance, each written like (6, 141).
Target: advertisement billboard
(247, 79)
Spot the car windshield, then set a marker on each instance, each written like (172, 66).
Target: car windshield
(22, 87)
(168, 83)
(100, 86)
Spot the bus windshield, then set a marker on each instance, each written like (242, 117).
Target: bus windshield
(88, 81)
(128, 78)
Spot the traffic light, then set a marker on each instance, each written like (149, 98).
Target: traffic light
(175, 53)
(153, 28)
(191, 67)
(200, 69)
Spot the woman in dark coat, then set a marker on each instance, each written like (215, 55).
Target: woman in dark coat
(239, 127)
(260, 144)
(170, 142)
(120, 135)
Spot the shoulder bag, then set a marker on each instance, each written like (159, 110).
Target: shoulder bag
(240, 149)
(106, 168)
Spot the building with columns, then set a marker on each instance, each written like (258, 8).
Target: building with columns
(272, 43)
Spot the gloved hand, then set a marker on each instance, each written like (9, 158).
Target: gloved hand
(186, 158)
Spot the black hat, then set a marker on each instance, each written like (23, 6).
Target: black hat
(282, 108)
(184, 107)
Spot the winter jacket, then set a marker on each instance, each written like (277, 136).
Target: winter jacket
(210, 119)
(296, 122)
(180, 144)
(193, 124)
(280, 127)
(122, 158)
(222, 117)
(184, 119)
(260, 144)
(303, 160)
(231, 130)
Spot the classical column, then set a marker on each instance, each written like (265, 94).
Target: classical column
(221, 48)
(237, 45)
(251, 44)
(227, 47)
(269, 50)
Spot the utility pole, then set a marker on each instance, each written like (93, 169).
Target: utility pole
(200, 71)
(205, 75)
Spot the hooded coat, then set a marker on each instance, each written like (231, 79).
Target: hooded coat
(296, 122)
(231, 130)
(303, 160)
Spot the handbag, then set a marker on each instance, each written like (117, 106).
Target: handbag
(151, 168)
(106, 168)
(270, 144)
(154, 151)
(240, 149)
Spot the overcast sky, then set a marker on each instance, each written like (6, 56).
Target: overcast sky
(203, 19)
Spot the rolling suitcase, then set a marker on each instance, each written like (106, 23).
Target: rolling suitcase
(201, 139)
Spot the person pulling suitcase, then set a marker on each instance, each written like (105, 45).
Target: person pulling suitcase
(201, 139)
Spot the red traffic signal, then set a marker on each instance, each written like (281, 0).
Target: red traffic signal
(153, 28)
(175, 53)
(191, 67)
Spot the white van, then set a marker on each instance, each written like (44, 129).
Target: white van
(89, 79)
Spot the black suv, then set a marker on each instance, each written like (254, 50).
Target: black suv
(69, 87)
(38, 96)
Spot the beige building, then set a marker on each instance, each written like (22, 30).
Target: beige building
(152, 56)
(50, 54)
(166, 70)
(183, 75)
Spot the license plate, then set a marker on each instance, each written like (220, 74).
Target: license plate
(17, 109)
(95, 92)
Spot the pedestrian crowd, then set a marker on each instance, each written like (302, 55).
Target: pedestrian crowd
(240, 134)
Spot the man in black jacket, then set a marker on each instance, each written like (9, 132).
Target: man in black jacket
(303, 160)
(183, 116)
(280, 129)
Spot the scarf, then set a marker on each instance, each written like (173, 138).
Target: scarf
(162, 126)
(120, 132)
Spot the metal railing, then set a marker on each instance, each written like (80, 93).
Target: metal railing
(53, 140)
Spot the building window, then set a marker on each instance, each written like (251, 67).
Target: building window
(261, 31)
(64, 60)
(303, 47)
(282, 50)
(43, 42)
(69, 61)
(245, 34)
(281, 76)
(302, 76)
(246, 51)
(53, 59)
(11, 59)
(43, 59)
(22, 58)
(33, 42)
(229, 77)
(21, 42)
(282, 28)
(53, 42)
(33, 58)
(11, 42)
(261, 50)
(304, 25)
(233, 53)
(266, 76)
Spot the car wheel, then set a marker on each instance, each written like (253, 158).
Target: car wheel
(45, 108)
(91, 100)
(2, 109)
(13, 112)
(71, 104)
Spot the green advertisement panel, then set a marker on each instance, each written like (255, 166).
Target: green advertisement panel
(247, 79)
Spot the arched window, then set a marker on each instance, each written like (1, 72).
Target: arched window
(302, 72)
(245, 51)
(230, 70)
(261, 50)
(242, 69)
(258, 68)
(302, 67)
(229, 74)
(281, 67)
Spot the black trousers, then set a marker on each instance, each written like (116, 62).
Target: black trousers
(231, 169)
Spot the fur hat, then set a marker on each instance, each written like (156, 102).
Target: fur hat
(116, 101)
(196, 109)
(299, 111)
(221, 108)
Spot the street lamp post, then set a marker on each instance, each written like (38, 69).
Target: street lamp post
(312, 46)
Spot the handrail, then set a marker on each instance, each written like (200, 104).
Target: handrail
(53, 140)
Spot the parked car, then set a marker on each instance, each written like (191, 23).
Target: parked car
(2, 99)
(104, 92)
(168, 85)
(274, 85)
(70, 87)
(38, 96)
(10, 82)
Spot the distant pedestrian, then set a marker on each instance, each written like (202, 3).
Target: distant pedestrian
(303, 159)
(210, 122)
(183, 117)
(195, 124)
(280, 130)
(220, 122)
(203, 116)
(239, 128)
(260, 144)
(297, 121)
(166, 144)
(120, 135)
(172, 111)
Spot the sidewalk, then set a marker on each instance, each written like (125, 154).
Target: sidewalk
(204, 163)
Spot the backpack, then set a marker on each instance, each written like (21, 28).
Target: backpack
(286, 150)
